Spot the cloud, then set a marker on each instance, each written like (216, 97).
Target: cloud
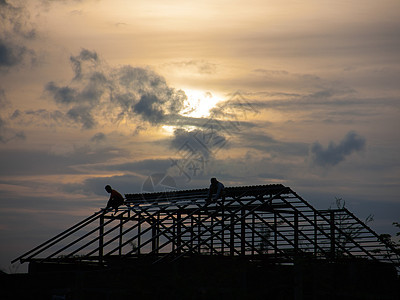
(62, 159)
(98, 137)
(115, 92)
(196, 66)
(331, 104)
(199, 142)
(84, 55)
(150, 109)
(64, 95)
(40, 117)
(148, 90)
(134, 175)
(236, 107)
(146, 166)
(11, 55)
(8, 134)
(82, 115)
(3, 99)
(123, 183)
(335, 154)
(266, 144)
(16, 32)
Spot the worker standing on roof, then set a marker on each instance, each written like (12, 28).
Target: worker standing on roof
(116, 199)
(216, 188)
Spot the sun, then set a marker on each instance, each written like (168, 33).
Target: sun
(199, 103)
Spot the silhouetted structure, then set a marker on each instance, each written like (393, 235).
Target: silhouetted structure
(258, 223)
(262, 242)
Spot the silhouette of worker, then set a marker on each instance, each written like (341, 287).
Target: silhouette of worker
(116, 199)
(216, 188)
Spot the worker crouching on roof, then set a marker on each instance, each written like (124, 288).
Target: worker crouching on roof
(216, 188)
(116, 199)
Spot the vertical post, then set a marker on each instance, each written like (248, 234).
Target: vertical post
(120, 237)
(174, 238)
(332, 227)
(158, 231)
(139, 233)
(253, 229)
(315, 233)
(178, 231)
(212, 233)
(198, 232)
(275, 236)
(153, 235)
(222, 226)
(191, 234)
(232, 237)
(101, 238)
(296, 232)
(243, 234)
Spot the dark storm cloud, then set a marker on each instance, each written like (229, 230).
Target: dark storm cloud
(120, 92)
(15, 34)
(334, 154)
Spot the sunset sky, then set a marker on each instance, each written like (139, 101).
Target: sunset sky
(95, 92)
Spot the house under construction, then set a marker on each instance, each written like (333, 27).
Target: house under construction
(269, 223)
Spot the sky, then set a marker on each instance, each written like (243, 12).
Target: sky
(159, 95)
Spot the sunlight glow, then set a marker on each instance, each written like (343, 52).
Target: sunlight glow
(168, 129)
(199, 103)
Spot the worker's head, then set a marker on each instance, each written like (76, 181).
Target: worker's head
(108, 188)
(214, 180)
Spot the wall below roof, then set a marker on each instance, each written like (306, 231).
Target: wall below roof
(206, 277)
